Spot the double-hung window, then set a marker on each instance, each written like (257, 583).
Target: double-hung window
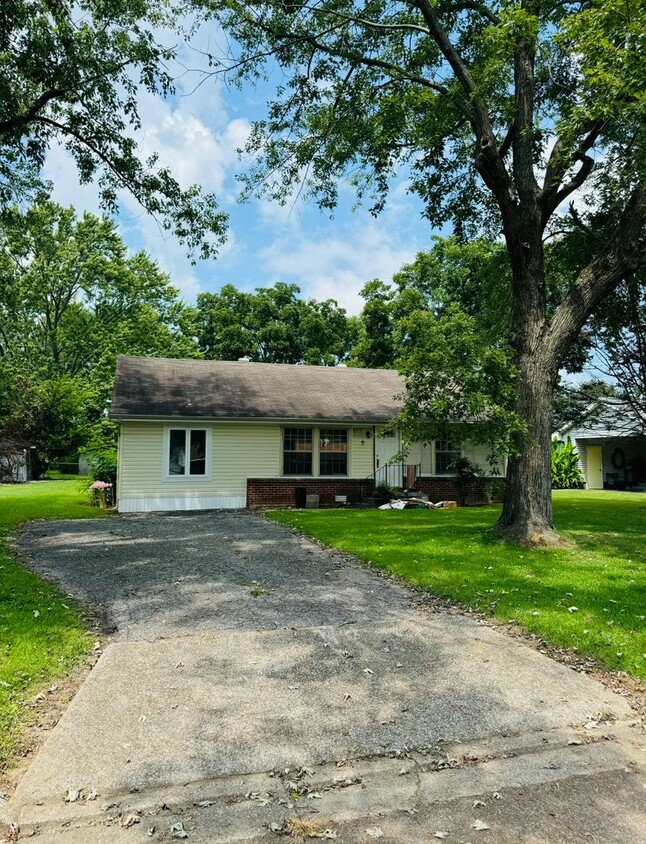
(333, 451)
(319, 452)
(297, 451)
(187, 453)
(445, 456)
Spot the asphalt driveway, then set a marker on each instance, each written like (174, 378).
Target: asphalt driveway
(255, 682)
(163, 575)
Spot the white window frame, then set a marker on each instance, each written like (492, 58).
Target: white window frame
(316, 451)
(187, 479)
(348, 437)
(454, 450)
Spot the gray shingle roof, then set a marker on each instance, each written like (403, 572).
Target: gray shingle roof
(608, 418)
(161, 387)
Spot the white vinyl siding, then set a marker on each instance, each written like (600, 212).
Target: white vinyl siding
(237, 451)
(244, 450)
(478, 454)
(141, 453)
(361, 452)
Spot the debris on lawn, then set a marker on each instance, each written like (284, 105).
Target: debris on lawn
(417, 503)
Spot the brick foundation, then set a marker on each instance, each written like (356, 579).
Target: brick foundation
(442, 489)
(281, 492)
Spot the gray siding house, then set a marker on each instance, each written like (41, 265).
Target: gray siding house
(612, 446)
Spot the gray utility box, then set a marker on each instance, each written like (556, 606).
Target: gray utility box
(312, 501)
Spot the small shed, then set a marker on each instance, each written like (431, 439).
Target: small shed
(15, 461)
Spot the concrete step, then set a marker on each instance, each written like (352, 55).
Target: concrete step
(353, 794)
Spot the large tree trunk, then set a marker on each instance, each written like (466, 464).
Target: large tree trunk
(527, 507)
(527, 510)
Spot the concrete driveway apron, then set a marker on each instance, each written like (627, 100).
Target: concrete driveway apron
(256, 685)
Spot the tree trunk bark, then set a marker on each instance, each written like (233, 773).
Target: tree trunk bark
(527, 506)
(527, 509)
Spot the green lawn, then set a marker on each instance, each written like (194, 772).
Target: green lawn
(42, 633)
(450, 554)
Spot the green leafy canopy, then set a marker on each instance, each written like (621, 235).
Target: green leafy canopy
(70, 74)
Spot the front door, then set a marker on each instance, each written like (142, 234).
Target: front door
(386, 447)
(595, 467)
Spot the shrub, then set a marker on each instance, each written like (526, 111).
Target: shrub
(465, 474)
(101, 451)
(565, 470)
(385, 492)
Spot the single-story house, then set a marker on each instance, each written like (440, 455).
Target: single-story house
(611, 444)
(196, 434)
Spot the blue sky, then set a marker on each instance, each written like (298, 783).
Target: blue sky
(196, 133)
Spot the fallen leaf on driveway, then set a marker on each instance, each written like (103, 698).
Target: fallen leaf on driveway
(481, 825)
(73, 794)
(128, 821)
(477, 803)
(441, 833)
(375, 832)
(177, 830)
(304, 772)
(262, 799)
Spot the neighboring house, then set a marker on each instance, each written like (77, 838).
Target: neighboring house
(198, 434)
(612, 446)
(15, 461)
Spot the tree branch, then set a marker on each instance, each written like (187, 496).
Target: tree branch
(587, 164)
(18, 121)
(578, 222)
(130, 185)
(488, 161)
(25, 118)
(559, 162)
(523, 138)
(391, 27)
(505, 146)
(622, 257)
(358, 59)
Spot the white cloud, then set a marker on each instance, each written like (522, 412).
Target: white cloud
(60, 169)
(194, 152)
(338, 267)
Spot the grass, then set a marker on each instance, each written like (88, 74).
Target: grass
(450, 554)
(42, 633)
